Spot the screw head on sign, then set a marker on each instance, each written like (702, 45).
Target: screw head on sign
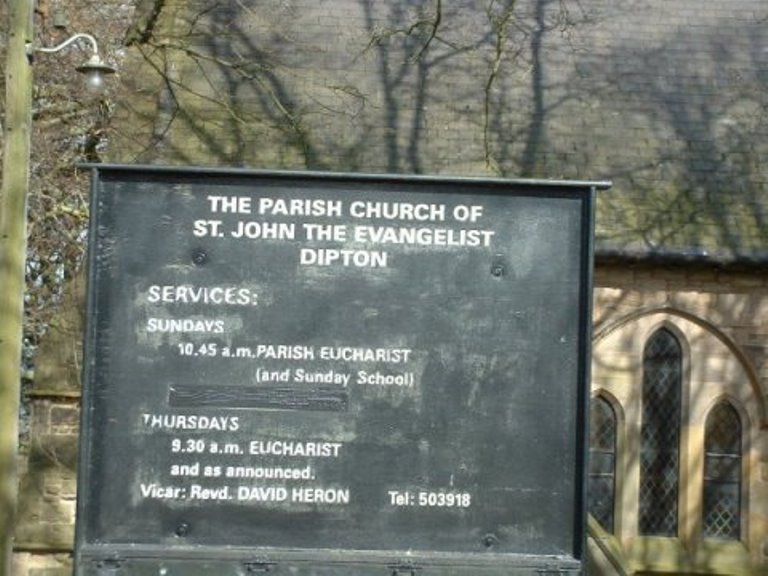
(182, 529)
(199, 257)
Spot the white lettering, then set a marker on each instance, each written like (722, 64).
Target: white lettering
(174, 325)
(422, 236)
(397, 211)
(293, 448)
(157, 492)
(262, 493)
(350, 354)
(187, 294)
(330, 256)
(329, 377)
(265, 230)
(405, 379)
(320, 495)
(192, 422)
(197, 492)
(269, 473)
(299, 207)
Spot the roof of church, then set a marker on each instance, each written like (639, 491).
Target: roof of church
(668, 100)
(682, 116)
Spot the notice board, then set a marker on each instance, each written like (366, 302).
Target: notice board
(311, 373)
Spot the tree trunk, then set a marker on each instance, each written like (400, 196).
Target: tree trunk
(13, 244)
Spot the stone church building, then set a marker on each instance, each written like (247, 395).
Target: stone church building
(668, 100)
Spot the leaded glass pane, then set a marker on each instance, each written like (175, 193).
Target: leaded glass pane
(722, 467)
(659, 460)
(722, 474)
(602, 462)
(602, 426)
(601, 491)
(721, 511)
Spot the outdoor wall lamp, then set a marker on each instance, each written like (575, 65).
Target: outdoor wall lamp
(94, 69)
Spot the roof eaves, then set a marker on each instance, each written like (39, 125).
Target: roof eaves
(698, 258)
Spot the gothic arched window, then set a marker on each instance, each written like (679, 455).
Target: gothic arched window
(660, 432)
(602, 461)
(722, 473)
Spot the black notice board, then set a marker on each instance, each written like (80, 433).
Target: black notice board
(333, 374)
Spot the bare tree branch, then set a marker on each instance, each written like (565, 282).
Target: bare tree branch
(146, 14)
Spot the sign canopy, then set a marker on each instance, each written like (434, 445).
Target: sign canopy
(334, 374)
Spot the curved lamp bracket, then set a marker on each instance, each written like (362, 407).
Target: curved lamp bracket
(95, 69)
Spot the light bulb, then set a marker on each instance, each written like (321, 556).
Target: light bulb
(94, 81)
(94, 71)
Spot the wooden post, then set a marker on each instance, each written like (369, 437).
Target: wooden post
(13, 250)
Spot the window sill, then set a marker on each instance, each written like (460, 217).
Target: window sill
(661, 555)
(647, 555)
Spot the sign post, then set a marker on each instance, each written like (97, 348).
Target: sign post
(334, 374)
